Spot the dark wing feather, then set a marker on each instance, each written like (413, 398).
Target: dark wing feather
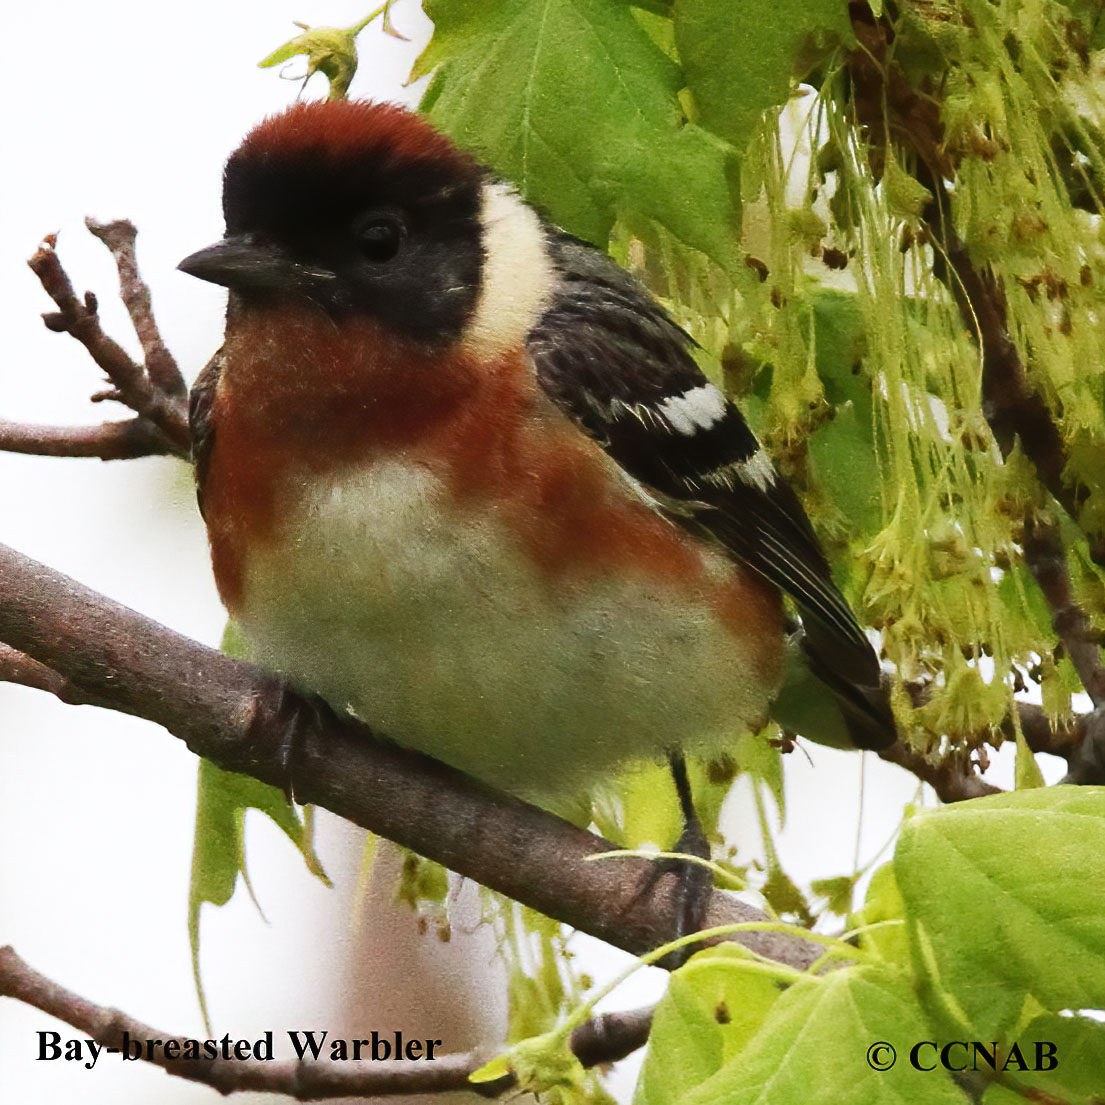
(612, 358)
(200, 421)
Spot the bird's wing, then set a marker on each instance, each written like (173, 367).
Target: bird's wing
(611, 358)
(200, 421)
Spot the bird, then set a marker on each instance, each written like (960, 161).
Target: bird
(463, 478)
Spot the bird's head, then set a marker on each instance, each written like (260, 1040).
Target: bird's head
(362, 208)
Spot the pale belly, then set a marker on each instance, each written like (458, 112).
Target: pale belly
(444, 637)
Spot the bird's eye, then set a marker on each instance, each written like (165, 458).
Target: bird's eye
(378, 236)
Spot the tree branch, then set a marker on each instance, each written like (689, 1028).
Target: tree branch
(153, 392)
(1041, 736)
(1047, 560)
(953, 778)
(16, 667)
(161, 367)
(238, 716)
(603, 1039)
(134, 437)
(1080, 740)
(1086, 760)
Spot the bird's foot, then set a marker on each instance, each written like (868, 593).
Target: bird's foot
(694, 880)
(296, 716)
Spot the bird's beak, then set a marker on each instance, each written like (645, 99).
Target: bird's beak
(243, 262)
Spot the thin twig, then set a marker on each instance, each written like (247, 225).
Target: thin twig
(604, 1039)
(80, 319)
(125, 440)
(18, 667)
(119, 237)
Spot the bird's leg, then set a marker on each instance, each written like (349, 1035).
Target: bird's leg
(695, 879)
(294, 716)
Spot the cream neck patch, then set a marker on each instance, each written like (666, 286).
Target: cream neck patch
(518, 277)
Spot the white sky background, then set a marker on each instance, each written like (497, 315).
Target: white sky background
(129, 109)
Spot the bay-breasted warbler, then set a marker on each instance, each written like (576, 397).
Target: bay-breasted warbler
(463, 477)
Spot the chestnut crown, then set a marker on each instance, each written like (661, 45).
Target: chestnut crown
(363, 208)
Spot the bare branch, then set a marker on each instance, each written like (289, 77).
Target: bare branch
(1046, 559)
(238, 716)
(611, 1036)
(168, 411)
(1041, 736)
(135, 437)
(602, 1040)
(1086, 763)
(17, 667)
(119, 237)
(1080, 741)
(953, 778)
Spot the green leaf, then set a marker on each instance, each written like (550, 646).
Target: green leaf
(845, 467)
(884, 910)
(546, 1067)
(1027, 771)
(648, 807)
(837, 891)
(905, 196)
(997, 1094)
(218, 853)
(840, 342)
(843, 459)
(812, 1048)
(499, 1067)
(1023, 600)
(329, 50)
(781, 892)
(763, 760)
(712, 1007)
(739, 58)
(1005, 901)
(572, 102)
(1079, 1074)
(424, 887)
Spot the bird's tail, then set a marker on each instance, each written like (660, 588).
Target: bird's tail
(832, 690)
(859, 691)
